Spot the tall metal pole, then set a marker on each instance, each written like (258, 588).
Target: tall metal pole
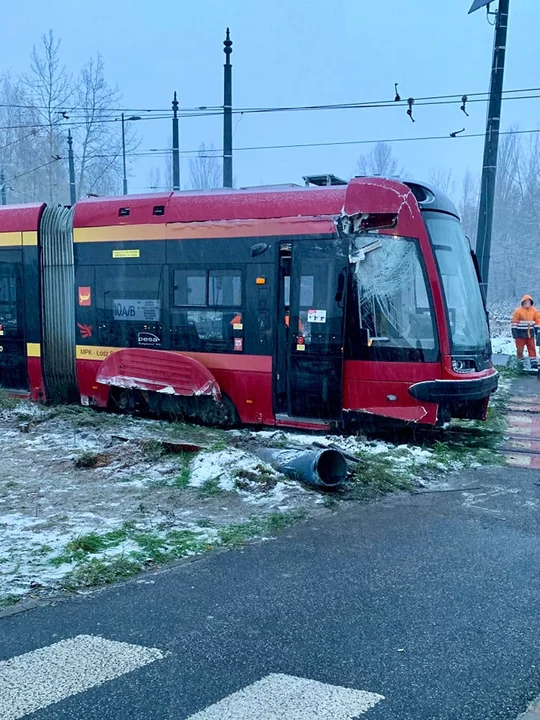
(175, 146)
(72, 193)
(227, 114)
(491, 146)
(3, 183)
(124, 153)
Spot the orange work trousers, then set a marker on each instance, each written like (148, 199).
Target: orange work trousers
(528, 343)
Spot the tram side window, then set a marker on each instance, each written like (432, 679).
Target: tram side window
(8, 298)
(128, 304)
(190, 287)
(394, 302)
(207, 314)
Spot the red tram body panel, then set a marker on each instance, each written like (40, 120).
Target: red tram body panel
(296, 307)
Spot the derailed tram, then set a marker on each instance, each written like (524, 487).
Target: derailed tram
(313, 307)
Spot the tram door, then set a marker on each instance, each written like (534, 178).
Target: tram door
(309, 363)
(13, 374)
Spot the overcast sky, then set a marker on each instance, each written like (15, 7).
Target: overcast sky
(294, 53)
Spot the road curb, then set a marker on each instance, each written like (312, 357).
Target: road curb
(532, 712)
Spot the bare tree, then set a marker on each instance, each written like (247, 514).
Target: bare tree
(154, 179)
(21, 144)
(50, 88)
(205, 170)
(379, 161)
(442, 179)
(468, 206)
(97, 137)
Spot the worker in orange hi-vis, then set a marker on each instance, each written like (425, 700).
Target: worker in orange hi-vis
(525, 321)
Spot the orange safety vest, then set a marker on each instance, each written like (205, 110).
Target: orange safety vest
(525, 320)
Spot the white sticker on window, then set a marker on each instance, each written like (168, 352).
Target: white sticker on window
(136, 310)
(316, 316)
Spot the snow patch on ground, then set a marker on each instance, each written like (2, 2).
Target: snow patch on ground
(46, 501)
(224, 466)
(503, 346)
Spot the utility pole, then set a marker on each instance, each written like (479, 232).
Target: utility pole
(3, 183)
(72, 193)
(227, 113)
(175, 146)
(491, 143)
(124, 153)
(124, 120)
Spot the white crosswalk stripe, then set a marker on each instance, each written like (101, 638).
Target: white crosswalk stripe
(43, 677)
(285, 697)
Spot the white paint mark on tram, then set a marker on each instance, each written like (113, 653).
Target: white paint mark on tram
(46, 676)
(280, 697)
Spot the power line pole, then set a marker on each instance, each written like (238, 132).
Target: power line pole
(3, 183)
(175, 146)
(72, 193)
(491, 144)
(125, 188)
(227, 113)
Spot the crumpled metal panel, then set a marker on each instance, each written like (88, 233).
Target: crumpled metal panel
(379, 196)
(159, 371)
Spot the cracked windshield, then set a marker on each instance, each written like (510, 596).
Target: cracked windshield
(269, 390)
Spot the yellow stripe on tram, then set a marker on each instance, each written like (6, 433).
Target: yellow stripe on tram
(10, 239)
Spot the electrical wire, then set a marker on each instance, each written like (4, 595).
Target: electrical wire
(210, 111)
(218, 151)
(155, 152)
(115, 110)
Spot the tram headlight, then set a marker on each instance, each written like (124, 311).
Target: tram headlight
(463, 365)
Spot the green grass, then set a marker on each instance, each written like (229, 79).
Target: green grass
(219, 445)
(7, 401)
(210, 487)
(90, 544)
(181, 479)
(259, 478)
(378, 474)
(101, 572)
(152, 449)
(9, 601)
(86, 460)
(81, 416)
(238, 534)
(155, 549)
(205, 522)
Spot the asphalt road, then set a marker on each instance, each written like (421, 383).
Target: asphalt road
(431, 601)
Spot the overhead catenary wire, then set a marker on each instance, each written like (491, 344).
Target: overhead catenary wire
(482, 96)
(211, 111)
(33, 170)
(218, 151)
(215, 153)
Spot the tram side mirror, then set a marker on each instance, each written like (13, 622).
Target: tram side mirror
(259, 249)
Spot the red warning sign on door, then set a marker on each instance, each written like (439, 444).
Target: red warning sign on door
(85, 296)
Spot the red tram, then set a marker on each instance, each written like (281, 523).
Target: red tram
(307, 307)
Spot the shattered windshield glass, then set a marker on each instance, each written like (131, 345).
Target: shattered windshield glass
(393, 294)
